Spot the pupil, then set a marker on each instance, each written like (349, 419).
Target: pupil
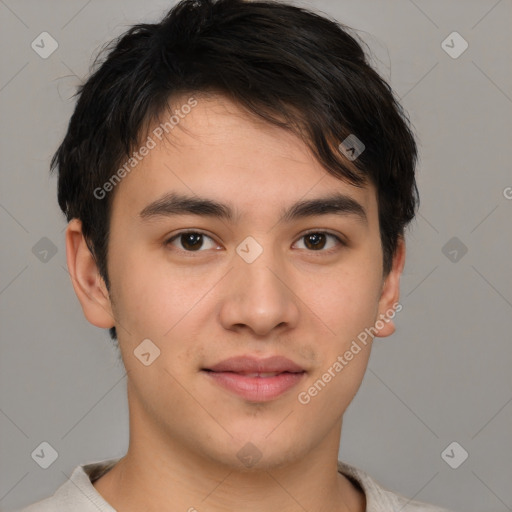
(316, 239)
(191, 240)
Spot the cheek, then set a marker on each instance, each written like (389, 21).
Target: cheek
(165, 304)
(348, 303)
(144, 292)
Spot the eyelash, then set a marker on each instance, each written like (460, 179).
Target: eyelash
(340, 241)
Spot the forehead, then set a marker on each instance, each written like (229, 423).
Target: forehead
(216, 149)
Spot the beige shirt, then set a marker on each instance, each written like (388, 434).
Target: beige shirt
(78, 494)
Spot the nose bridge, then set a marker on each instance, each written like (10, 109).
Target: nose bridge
(258, 296)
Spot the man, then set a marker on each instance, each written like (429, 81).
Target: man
(237, 182)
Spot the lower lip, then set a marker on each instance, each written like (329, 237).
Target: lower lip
(256, 389)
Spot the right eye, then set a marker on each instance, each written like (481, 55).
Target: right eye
(190, 241)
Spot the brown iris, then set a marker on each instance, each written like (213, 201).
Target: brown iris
(191, 241)
(317, 240)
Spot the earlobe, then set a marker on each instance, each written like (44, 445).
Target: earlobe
(87, 282)
(389, 300)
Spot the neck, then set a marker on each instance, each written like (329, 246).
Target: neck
(161, 473)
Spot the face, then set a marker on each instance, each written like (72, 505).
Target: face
(251, 295)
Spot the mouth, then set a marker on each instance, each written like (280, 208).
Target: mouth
(256, 380)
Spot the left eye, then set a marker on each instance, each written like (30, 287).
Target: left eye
(191, 240)
(317, 240)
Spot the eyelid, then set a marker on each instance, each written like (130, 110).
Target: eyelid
(339, 238)
(170, 239)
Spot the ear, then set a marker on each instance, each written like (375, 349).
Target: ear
(390, 294)
(89, 286)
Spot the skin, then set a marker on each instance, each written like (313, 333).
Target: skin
(202, 307)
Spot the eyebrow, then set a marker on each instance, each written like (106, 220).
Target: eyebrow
(179, 204)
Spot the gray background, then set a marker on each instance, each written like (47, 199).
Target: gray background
(443, 377)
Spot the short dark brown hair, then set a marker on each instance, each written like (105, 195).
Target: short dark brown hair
(290, 66)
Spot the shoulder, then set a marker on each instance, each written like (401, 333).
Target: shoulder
(77, 493)
(380, 499)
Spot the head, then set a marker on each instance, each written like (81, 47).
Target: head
(238, 110)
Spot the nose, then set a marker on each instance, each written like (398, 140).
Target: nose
(259, 297)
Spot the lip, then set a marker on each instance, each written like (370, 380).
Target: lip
(256, 380)
(251, 364)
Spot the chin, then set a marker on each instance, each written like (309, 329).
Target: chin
(252, 454)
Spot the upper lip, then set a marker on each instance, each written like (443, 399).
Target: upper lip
(251, 364)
